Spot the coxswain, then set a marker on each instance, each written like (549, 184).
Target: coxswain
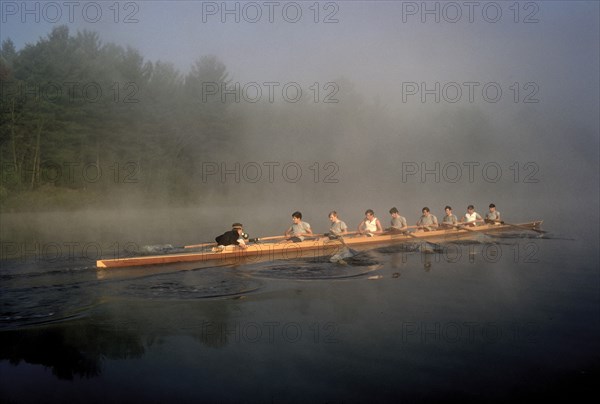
(235, 236)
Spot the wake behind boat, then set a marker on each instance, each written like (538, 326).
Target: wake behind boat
(283, 249)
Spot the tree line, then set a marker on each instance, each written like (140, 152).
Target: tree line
(80, 118)
(77, 113)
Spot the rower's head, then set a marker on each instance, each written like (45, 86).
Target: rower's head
(425, 211)
(333, 216)
(369, 214)
(470, 208)
(394, 212)
(448, 210)
(239, 227)
(492, 207)
(296, 217)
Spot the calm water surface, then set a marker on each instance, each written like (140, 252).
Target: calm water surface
(483, 320)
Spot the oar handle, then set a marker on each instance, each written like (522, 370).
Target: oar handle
(313, 235)
(257, 239)
(271, 238)
(200, 245)
(464, 226)
(350, 233)
(214, 243)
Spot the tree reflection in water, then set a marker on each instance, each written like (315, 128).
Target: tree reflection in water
(71, 349)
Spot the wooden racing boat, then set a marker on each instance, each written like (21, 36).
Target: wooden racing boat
(314, 247)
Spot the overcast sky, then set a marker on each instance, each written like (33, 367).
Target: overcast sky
(375, 44)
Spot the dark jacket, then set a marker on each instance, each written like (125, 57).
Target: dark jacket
(228, 238)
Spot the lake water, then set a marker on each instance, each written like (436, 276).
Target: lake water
(494, 318)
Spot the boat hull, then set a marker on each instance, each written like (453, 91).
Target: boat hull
(316, 247)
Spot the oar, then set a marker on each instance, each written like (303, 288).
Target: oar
(199, 245)
(214, 243)
(438, 246)
(391, 231)
(352, 251)
(518, 227)
(525, 228)
(350, 233)
(257, 240)
(312, 236)
(270, 238)
(463, 227)
(407, 233)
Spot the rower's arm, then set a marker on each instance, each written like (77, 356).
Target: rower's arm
(379, 228)
(360, 225)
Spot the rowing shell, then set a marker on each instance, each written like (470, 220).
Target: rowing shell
(317, 247)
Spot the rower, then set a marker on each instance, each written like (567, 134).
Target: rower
(235, 236)
(450, 220)
(298, 230)
(370, 224)
(471, 218)
(427, 221)
(337, 228)
(398, 222)
(493, 216)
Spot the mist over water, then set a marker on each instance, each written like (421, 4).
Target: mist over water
(393, 124)
(208, 117)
